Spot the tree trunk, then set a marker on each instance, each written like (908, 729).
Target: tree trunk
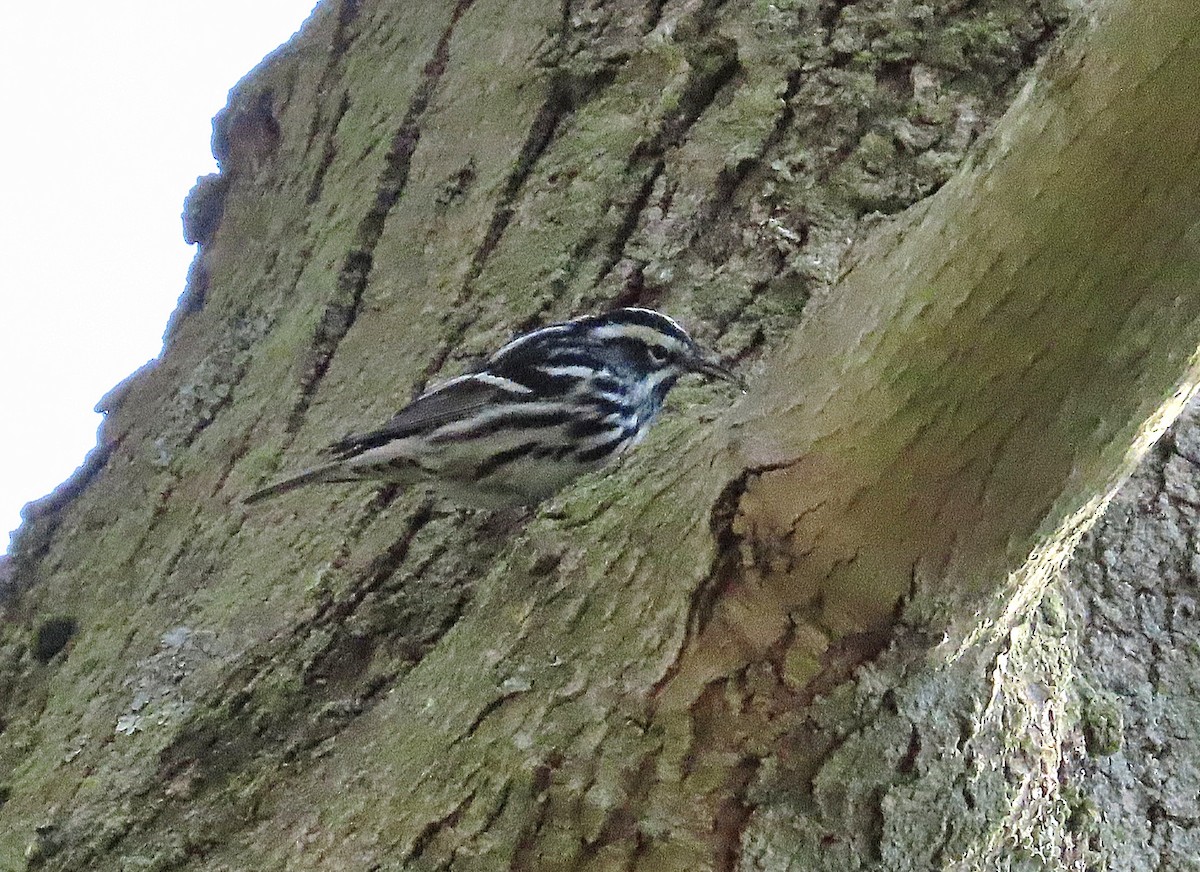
(824, 626)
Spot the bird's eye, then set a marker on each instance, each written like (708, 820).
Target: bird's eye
(658, 354)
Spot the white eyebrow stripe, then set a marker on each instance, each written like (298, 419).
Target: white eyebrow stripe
(648, 335)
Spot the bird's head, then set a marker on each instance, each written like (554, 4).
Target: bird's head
(657, 346)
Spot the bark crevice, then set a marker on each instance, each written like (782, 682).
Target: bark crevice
(341, 312)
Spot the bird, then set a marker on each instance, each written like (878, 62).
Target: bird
(544, 409)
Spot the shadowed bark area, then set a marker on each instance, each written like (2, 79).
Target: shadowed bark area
(818, 627)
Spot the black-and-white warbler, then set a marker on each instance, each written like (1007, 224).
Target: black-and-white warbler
(544, 409)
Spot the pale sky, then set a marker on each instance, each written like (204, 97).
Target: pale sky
(107, 110)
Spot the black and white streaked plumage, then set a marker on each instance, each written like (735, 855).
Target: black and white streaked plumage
(544, 409)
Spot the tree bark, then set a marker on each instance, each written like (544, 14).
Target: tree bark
(824, 626)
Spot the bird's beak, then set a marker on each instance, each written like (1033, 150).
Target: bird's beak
(707, 363)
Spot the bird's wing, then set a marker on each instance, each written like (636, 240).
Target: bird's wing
(455, 400)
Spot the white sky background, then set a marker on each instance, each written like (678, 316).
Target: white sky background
(105, 122)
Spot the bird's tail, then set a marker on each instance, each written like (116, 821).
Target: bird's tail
(329, 472)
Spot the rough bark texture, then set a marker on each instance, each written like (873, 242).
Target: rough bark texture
(1132, 594)
(824, 629)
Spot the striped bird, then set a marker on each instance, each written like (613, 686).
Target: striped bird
(544, 409)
